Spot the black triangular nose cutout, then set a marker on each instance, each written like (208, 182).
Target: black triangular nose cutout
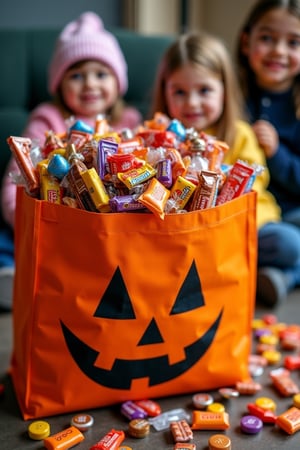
(152, 335)
(190, 295)
(115, 303)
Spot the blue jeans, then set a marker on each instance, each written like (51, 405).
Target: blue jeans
(6, 248)
(279, 246)
(293, 217)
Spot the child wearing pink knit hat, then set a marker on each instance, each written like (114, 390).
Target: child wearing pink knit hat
(87, 76)
(87, 39)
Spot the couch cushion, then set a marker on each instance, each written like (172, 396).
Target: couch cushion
(143, 54)
(40, 47)
(14, 73)
(12, 122)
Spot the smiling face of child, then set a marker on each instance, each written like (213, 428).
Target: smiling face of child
(89, 88)
(273, 49)
(195, 96)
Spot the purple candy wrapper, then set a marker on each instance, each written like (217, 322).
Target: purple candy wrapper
(125, 203)
(105, 148)
(164, 172)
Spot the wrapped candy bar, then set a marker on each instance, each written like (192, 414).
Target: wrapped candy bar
(20, 148)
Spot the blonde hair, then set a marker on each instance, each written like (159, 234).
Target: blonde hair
(205, 50)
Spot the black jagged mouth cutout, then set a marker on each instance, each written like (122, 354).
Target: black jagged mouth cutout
(157, 370)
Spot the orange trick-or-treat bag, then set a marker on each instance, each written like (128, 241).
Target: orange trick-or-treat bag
(112, 307)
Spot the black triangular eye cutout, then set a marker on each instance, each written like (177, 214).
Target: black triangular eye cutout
(152, 335)
(190, 295)
(115, 303)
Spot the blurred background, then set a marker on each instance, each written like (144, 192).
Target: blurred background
(221, 17)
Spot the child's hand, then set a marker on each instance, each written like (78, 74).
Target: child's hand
(267, 137)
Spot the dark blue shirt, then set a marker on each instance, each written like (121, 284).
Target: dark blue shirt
(284, 166)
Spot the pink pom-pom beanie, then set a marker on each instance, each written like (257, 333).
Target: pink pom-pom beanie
(83, 39)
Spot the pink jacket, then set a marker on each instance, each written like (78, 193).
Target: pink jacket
(47, 117)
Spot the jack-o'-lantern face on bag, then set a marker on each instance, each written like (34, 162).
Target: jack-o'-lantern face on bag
(117, 305)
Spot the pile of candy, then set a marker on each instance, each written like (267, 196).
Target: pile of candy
(160, 167)
(207, 412)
